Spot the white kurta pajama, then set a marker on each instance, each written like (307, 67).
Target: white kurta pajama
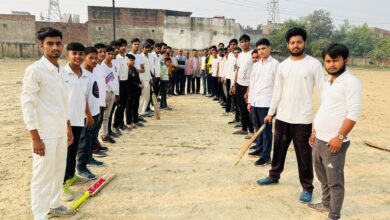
(44, 103)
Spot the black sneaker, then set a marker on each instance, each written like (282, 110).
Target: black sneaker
(232, 122)
(255, 153)
(103, 149)
(85, 174)
(99, 153)
(141, 119)
(95, 163)
(108, 139)
(114, 133)
(262, 162)
(139, 124)
(238, 125)
(254, 147)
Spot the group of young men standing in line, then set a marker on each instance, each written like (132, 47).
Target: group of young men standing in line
(67, 108)
(101, 84)
(262, 89)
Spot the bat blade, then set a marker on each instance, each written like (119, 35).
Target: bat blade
(244, 148)
(156, 108)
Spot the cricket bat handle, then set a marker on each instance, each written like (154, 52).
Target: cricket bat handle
(81, 200)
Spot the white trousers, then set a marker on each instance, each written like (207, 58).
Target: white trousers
(145, 97)
(110, 99)
(47, 177)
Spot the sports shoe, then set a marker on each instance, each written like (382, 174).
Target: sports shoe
(249, 135)
(99, 153)
(123, 127)
(141, 119)
(61, 211)
(108, 139)
(113, 134)
(71, 180)
(306, 196)
(255, 153)
(66, 194)
(139, 124)
(267, 181)
(240, 132)
(85, 174)
(254, 147)
(104, 149)
(95, 163)
(319, 207)
(232, 122)
(238, 125)
(262, 162)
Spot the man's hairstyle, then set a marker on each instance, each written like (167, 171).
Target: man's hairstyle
(75, 46)
(100, 46)
(213, 47)
(234, 40)
(193, 50)
(263, 41)
(48, 32)
(207, 49)
(168, 59)
(115, 43)
(296, 31)
(150, 41)
(146, 45)
(122, 41)
(335, 50)
(130, 56)
(254, 51)
(168, 47)
(89, 50)
(135, 40)
(158, 45)
(245, 37)
(164, 44)
(238, 49)
(223, 45)
(110, 49)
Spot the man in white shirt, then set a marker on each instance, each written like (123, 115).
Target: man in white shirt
(203, 69)
(156, 70)
(292, 102)
(241, 83)
(339, 110)
(180, 76)
(77, 80)
(259, 98)
(146, 78)
(229, 69)
(44, 102)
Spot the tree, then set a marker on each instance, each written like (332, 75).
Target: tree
(317, 46)
(340, 34)
(381, 50)
(319, 24)
(360, 40)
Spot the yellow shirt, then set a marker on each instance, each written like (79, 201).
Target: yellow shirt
(210, 61)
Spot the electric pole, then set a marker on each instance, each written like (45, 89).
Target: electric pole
(54, 14)
(273, 11)
(113, 19)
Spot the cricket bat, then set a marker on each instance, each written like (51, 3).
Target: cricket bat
(155, 105)
(95, 188)
(244, 148)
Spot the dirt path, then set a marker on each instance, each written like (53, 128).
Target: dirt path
(181, 166)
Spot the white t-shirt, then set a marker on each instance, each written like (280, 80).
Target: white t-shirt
(122, 67)
(229, 66)
(100, 78)
(340, 100)
(262, 82)
(138, 61)
(77, 94)
(214, 67)
(111, 77)
(145, 76)
(93, 93)
(244, 62)
(156, 70)
(292, 98)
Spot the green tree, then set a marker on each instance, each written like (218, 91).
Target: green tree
(340, 34)
(317, 46)
(381, 50)
(360, 40)
(319, 24)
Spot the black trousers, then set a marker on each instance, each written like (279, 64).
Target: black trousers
(299, 134)
(72, 153)
(132, 106)
(196, 85)
(236, 107)
(156, 86)
(114, 106)
(121, 106)
(228, 96)
(181, 81)
(220, 90)
(87, 141)
(245, 118)
(190, 84)
(163, 92)
(209, 84)
(172, 82)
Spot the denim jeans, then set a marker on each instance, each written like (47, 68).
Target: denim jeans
(87, 141)
(264, 141)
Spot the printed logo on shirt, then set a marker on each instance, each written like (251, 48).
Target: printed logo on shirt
(110, 77)
(95, 90)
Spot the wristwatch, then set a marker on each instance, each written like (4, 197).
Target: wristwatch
(341, 137)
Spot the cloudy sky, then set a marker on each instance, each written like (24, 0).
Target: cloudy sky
(246, 12)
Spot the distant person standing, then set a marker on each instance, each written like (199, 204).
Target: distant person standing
(292, 102)
(203, 69)
(44, 101)
(180, 77)
(339, 110)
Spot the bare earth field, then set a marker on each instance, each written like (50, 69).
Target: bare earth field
(181, 166)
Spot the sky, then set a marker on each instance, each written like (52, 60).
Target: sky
(246, 12)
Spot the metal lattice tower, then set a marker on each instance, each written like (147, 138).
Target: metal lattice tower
(54, 14)
(273, 11)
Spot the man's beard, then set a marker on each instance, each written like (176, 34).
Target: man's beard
(297, 54)
(338, 72)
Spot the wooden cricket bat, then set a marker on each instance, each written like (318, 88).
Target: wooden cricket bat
(244, 148)
(95, 188)
(155, 105)
(370, 144)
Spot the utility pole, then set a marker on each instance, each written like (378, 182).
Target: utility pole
(273, 11)
(54, 14)
(113, 19)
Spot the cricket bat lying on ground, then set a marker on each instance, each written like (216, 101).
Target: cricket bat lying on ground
(244, 148)
(95, 188)
(155, 105)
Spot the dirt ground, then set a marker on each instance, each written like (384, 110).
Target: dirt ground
(180, 167)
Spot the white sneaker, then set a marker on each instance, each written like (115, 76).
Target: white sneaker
(61, 211)
(66, 194)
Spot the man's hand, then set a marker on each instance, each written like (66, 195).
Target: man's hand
(70, 136)
(249, 107)
(141, 85)
(38, 147)
(312, 138)
(268, 119)
(246, 97)
(335, 144)
(89, 120)
(233, 90)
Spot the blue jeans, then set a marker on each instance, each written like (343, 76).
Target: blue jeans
(264, 141)
(204, 79)
(86, 143)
